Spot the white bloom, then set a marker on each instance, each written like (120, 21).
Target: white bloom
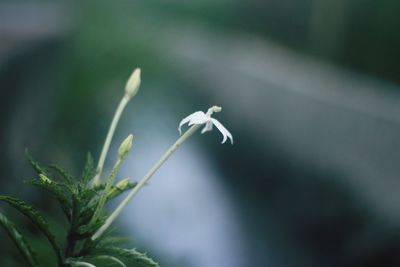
(199, 118)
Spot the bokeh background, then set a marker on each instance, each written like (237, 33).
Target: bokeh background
(309, 89)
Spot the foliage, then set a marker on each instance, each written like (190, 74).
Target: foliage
(78, 199)
(19, 241)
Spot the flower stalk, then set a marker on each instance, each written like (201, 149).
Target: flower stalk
(144, 180)
(131, 89)
(124, 149)
(83, 204)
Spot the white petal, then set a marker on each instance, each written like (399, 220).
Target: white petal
(193, 118)
(198, 118)
(226, 134)
(184, 121)
(208, 127)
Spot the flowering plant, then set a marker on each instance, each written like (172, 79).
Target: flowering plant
(89, 241)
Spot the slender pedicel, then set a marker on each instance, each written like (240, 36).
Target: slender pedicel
(131, 89)
(123, 151)
(145, 179)
(195, 120)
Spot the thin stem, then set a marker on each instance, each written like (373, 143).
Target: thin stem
(122, 104)
(71, 237)
(104, 196)
(144, 180)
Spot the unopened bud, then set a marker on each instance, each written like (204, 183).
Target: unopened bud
(120, 186)
(132, 86)
(216, 109)
(125, 147)
(44, 178)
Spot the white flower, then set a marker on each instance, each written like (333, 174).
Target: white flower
(199, 118)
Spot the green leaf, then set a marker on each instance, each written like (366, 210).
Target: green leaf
(19, 240)
(108, 241)
(37, 219)
(64, 174)
(88, 195)
(35, 165)
(129, 255)
(88, 199)
(78, 263)
(102, 259)
(89, 170)
(89, 229)
(86, 214)
(112, 259)
(58, 192)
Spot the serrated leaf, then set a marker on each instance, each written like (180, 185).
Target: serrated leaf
(64, 174)
(101, 260)
(35, 165)
(109, 241)
(88, 196)
(86, 214)
(36, 218)
(78, 263)
(132, 255)
(89, 229)
(19, 240)
(112, 259)
(56, 190)
(89, 169)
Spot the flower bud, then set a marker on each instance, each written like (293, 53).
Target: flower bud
(44, 178)
(120, 186)
(132, 86)
(125, 147)
(216, 109)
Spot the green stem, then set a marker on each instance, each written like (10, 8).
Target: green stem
(71, 237)
(103, 197)
(144, 180)
(122, 104)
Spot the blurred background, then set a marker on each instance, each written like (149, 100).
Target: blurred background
(309, 89)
